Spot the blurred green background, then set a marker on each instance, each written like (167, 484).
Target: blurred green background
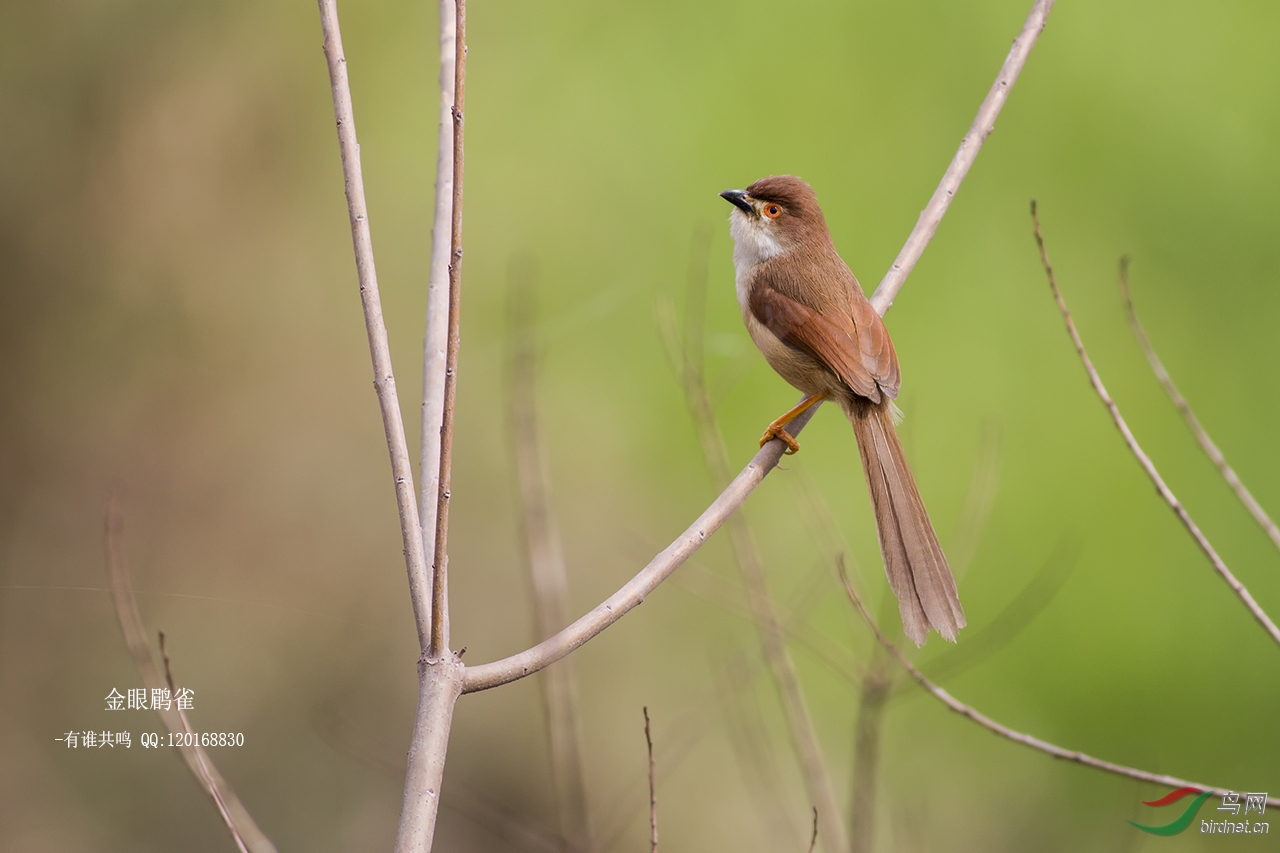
(179, 317)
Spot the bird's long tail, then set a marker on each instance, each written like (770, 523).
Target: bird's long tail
(913, 559)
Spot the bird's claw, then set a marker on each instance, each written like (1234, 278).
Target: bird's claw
(778, 432)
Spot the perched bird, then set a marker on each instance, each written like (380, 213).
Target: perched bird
(808, 315)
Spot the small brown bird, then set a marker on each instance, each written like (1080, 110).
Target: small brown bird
(808, 315)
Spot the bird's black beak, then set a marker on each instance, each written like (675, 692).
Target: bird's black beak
(738, 198)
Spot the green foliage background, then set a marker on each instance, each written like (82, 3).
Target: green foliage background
(179, 315)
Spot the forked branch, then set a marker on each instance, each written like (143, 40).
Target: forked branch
(1193, 423)
(1018, 737)
(1145, 461)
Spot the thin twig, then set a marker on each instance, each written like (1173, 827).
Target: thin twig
(813, 839)
(553, 649)
(237, 818)
(1018, 737)
(1183, 516)
(545, 555)
(653, 791)
(1193, 423)
(440, 562)
(436, 338)
(384, 381)
(206, 776)
(983, 124)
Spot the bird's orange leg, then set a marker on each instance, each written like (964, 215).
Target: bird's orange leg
(777, 428)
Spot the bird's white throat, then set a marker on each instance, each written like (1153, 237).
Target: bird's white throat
(753, 242)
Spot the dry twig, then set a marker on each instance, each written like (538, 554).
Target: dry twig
(653, 791)
(243, 829)
(1183, 516)
(440, 563)
(436, 338)
(1193, 423)
(206, 777)
(983, 123)
(1018, 737)
(384, 381)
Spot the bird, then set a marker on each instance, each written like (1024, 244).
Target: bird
(807, 314)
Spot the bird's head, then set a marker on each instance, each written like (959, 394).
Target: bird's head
(773, 216)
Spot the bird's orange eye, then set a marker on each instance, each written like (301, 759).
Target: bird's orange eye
(772, 211)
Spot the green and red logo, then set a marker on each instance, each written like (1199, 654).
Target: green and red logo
(1187, 816)
(1231, 802)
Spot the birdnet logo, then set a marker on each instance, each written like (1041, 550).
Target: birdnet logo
(1231, 802)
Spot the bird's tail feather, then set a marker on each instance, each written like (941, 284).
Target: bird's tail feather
(913, 560)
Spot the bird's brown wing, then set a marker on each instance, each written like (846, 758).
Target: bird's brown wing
(878, 356)
(854, 347)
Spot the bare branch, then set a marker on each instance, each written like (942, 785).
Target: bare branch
(436, 339)
(237, 818)
(616, 606)
(1193, 423)
(439, 685)
(383, 378)
(545, 555)
(440, 564)
(983, 124)
(1096, 381)
(653, 791)
(1018, 737)
(206, 777)
(813, 839)
(485, 810)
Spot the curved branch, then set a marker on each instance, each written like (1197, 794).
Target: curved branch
(613, 608)
(1015, 736)
(983, 123)
(1161, 488)
(1193, 423)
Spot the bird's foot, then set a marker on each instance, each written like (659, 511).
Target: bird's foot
(777, 430)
